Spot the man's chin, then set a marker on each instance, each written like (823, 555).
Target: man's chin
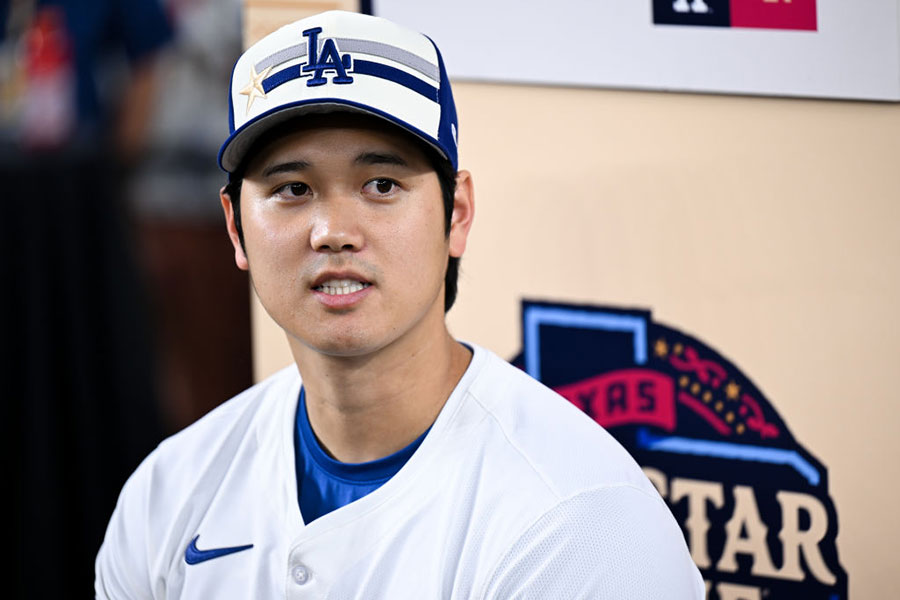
(349, 345)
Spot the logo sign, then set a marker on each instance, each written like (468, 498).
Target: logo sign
(321, 58)
(757, 14)
(329, 59)
(752, 502)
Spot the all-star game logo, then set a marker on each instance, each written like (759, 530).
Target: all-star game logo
(752, 502)
(755, 14)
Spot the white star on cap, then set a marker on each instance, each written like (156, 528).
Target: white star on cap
(254, 89)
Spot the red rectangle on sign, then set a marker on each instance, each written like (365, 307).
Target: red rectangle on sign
(774, 14)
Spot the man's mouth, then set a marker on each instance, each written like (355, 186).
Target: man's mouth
(339, 287)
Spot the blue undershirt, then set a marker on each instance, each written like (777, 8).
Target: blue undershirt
(325, 484)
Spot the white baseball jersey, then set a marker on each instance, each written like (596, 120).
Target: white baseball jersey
(514, 493)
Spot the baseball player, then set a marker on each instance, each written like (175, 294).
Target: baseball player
(390, 461)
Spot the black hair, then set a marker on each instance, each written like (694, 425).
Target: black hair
(446, 175)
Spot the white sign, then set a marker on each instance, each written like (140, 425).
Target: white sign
(817, 48)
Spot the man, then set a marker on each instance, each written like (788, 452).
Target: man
(391, 461)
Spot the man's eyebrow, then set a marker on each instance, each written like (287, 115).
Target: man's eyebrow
(381, 158)
(286, 167)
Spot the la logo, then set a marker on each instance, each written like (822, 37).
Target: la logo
(328, 60)
(697, 6)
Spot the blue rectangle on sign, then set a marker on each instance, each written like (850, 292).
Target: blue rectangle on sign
(709, 13)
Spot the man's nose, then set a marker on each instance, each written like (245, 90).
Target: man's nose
(336, 226)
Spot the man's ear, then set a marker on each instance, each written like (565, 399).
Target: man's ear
(463, 213)
(240, 257)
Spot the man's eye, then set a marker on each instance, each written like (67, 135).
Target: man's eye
(383, 186)
(294, 189)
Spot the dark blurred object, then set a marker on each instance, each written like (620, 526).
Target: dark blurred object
(201, 308)
(77, 362)
(77, 370)
(200, 300)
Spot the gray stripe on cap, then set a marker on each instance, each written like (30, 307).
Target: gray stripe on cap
(282, 56)
(408, 59)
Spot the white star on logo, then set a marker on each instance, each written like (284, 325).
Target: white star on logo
(254, 89)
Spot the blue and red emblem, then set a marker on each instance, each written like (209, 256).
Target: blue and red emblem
(753, 503)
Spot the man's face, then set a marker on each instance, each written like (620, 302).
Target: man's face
(345, 237)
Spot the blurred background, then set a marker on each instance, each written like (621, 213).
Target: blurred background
(124, 317)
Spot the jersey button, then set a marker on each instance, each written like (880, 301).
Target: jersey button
(300, 574)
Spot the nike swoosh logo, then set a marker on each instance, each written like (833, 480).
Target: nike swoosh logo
(193, 555)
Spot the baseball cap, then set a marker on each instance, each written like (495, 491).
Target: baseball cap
(341, 61)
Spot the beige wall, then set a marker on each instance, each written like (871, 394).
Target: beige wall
(768, 228)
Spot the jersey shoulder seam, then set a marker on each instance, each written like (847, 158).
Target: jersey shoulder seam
(513, 445)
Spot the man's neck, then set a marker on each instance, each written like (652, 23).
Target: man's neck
(365, 408)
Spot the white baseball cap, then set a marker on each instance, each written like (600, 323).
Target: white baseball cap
(341, 61)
